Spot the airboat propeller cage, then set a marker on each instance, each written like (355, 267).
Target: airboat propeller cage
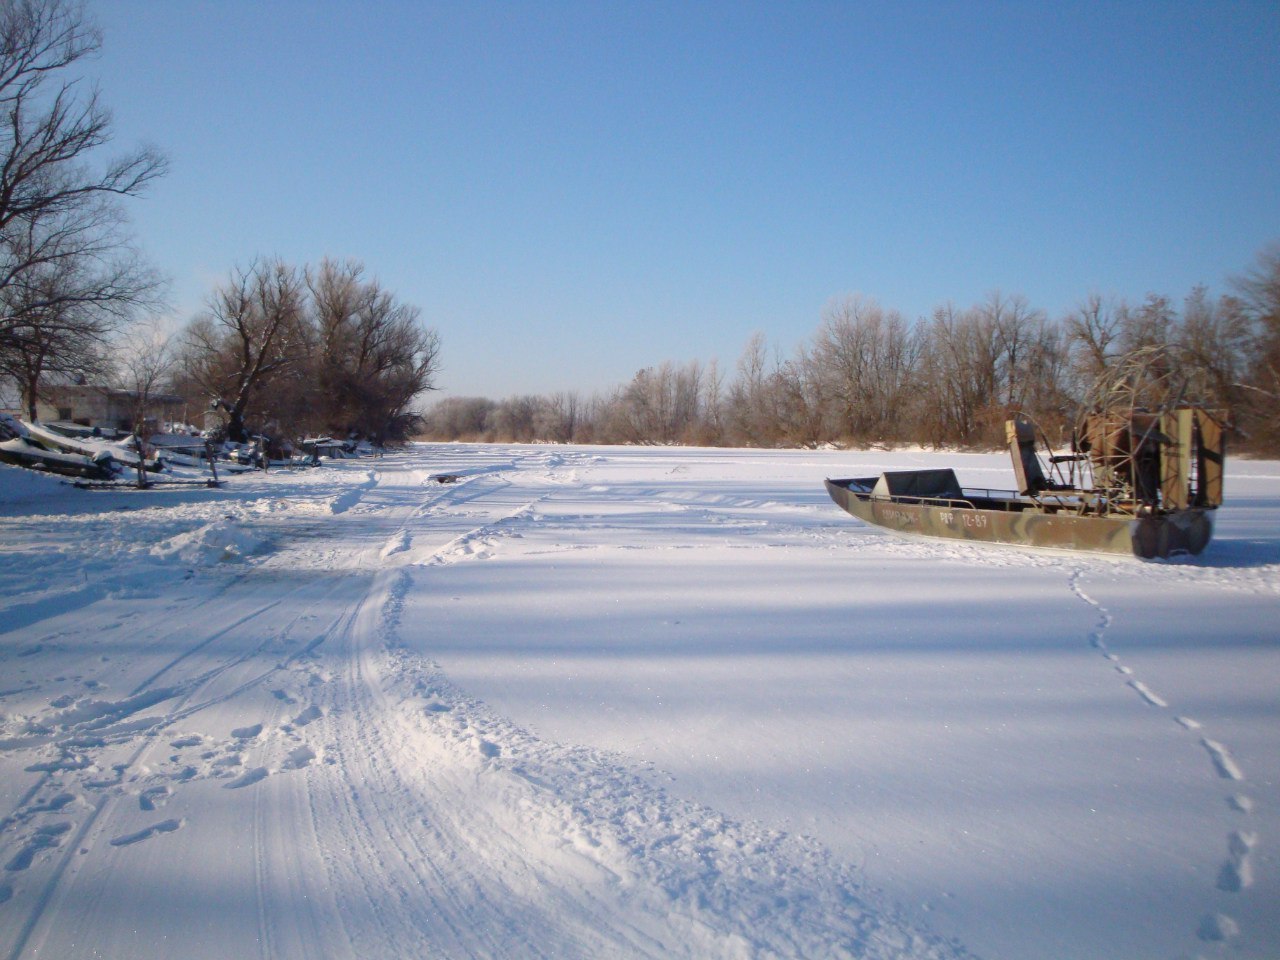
(1171, 461)
(1137, 463)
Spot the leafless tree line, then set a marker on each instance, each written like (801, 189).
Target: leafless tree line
(870, 376)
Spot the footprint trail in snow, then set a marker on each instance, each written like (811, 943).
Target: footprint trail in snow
(1217, 926)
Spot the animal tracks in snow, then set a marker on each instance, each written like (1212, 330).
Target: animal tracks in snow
(1236, 873)
(1097, 640)
(1223, 762)
(1147, 694)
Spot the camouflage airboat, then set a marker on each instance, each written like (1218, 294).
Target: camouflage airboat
(1141, 479)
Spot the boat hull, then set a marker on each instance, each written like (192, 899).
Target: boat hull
(1161, 536)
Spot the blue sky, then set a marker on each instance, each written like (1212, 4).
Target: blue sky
(571, 191)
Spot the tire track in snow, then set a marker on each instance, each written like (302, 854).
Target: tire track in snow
(110, 726)
(355, 724)
(140, 698)
(46, 894)
(447, 828)
(458, 891)
(1236, 872)
(605, 857)
(375, 811)
(560, 850)
(183, 693)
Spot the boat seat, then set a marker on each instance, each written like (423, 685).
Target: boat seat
(1021, 434)
(920, 484)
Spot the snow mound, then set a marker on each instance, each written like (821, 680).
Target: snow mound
(223, 541)
(396, 544)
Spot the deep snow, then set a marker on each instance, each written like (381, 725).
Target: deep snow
(623, 702)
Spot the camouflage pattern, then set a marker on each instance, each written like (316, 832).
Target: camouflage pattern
(1028, 523)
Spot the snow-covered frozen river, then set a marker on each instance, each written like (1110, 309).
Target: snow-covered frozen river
(624, 702)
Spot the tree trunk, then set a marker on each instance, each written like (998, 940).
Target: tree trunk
(236, 431)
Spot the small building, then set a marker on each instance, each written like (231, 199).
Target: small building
(107, 407)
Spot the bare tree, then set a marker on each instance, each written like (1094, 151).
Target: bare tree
(1049, 398)
(643, 411)
(662, 404)
(961, 375)
(67, 276)
(1092, 333)
(864, 360)
(59, 320)
(373, 357)
(797, 400)
(406, 370)
(712, 429)
(1151, 324)
(1019, 332)
(253, 331)
(1215, 340)
(514, 419)
(843, 353)
(458, 418)
(1259, 293)
(556, 417)
(751, 414)
(43, 341)
(145, 363)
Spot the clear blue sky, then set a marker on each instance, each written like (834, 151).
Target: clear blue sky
(571, 191)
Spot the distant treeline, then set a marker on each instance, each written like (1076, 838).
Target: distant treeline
(869, 375)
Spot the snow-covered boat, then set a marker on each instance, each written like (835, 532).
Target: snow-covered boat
(32, 446)
(1137, 483)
